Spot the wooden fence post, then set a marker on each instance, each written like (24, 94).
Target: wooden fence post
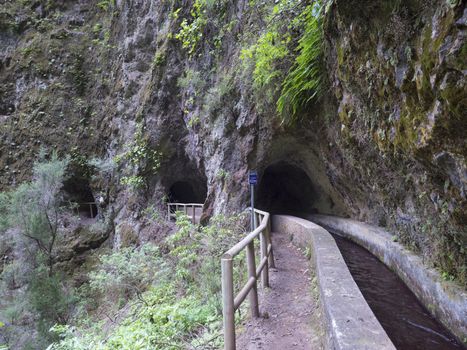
(271, 255)
(253, 295)
(228, 303)
(264, 252)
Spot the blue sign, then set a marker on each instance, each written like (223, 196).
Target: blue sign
(253, 177)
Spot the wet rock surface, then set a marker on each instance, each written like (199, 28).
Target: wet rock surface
(386, 143)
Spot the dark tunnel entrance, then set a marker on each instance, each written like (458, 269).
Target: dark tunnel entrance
(79, 195)
(187, 192)
(285, 188)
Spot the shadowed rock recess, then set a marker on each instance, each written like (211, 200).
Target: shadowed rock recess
(345, 107)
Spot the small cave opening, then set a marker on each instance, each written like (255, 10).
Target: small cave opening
(286, 189)
(79, 195)
(187, 192)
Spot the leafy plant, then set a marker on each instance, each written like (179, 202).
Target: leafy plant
(127, 272)
(219, 96)
(139, 153)
(222, 174)
(153, 214)
(191, 31)
(267, 54)
(159, 59)
(193, 121)
(304, 81)
(134, 181)
(106, 4)
(140, 159)
(48, 298)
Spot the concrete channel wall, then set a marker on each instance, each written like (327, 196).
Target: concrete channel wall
(350, 323)
(445, 300)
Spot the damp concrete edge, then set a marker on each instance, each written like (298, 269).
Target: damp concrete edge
(350, 323)
(445, 300)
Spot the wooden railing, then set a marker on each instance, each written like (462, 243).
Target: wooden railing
(76, 206)
(230, 302)
(173, 208)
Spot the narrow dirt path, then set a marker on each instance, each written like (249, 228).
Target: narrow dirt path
(290, 317)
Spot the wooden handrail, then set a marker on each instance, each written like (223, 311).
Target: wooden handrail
(172, 208)
(231, 302)
(91, 211)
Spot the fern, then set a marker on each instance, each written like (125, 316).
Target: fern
(304, 81)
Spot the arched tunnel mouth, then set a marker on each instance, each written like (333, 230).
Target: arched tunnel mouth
(79, 195)
(186, 191)
(285, 188)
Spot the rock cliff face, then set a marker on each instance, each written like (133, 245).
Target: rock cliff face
(164, 88)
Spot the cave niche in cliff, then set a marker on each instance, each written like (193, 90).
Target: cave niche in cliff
(286, 188)
(78, 194)
(186, 191)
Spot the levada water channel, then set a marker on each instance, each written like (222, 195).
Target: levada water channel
(406, 321)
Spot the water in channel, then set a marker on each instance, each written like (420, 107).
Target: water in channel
(407, 323)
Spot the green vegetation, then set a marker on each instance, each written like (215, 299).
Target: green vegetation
(447, 249)
(159, 59)
(304, 82)
(191, 30)
(175, 296)
(106, 4)
(219, 96)
(279, 78)
(265, 60)
(78, 74)
(192, 80)
(222, 174)
(267, 53)
(34, 207)
(125, 273)
(158, 297)
(133, 181)
(33, 211)
(140, 159)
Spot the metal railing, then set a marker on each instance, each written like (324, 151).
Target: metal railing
(173, 208)
(230, 302)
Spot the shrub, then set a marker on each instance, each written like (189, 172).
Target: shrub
(35, 207)
(32, 211)
(127, 272)
(48, 298)
(181, 308)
